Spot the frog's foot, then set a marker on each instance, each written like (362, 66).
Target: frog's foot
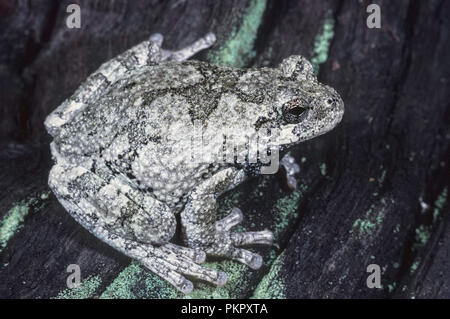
(172, 263)
(202, 231)
(140, 231)
(226, 243)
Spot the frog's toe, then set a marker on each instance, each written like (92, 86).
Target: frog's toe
(234, 218)
(196, 271)
(157, 38)
(199, 45)
(184, 262)
(247, 257)
(264, 237)
(224, 247)
(196, 255)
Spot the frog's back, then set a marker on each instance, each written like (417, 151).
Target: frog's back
(128, 104)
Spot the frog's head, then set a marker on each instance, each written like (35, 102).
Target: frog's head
(306, 107)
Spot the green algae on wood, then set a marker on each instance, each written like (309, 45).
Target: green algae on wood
(85, 290)
(285, 211)
(423, 233)
(373, 218)
(14, 218)
(322, 44)
(391, 287)
(439, 204)
(237, 50)
(414, 266)
(272, 286)
(323, 169)
(135, 281)
(239, 276)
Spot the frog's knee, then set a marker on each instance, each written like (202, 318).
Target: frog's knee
(157, 225)
(164, 230)
(58, 179)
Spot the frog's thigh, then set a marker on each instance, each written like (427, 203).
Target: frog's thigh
(124, 211)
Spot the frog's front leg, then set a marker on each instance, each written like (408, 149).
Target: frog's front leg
(202, 231)
(185, 53)
(130, 221)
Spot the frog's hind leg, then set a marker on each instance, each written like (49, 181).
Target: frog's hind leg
(146, 53)
(131, 222)
(215, 238)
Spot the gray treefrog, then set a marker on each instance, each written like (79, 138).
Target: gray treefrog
(123, 167)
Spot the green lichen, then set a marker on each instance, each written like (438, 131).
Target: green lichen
(285, 211)
(237, 50)
(414, 267)
(238, 282)
(135, 281)
(323, 169)
(322, 44)
(391, 287)
(382, 177)
(121, 287)
(14, 218)
(439, 204)
(85, 290)
(423, 233)
(366, 227)
(272, 286)
(12, 222)
(373, 218)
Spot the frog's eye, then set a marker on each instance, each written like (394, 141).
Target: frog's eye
(294, 111)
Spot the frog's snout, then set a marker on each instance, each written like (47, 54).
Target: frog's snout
(334, 104)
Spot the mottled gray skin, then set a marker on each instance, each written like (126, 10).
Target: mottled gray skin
(122, 150)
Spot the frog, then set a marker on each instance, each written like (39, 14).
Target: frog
(122, 150)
